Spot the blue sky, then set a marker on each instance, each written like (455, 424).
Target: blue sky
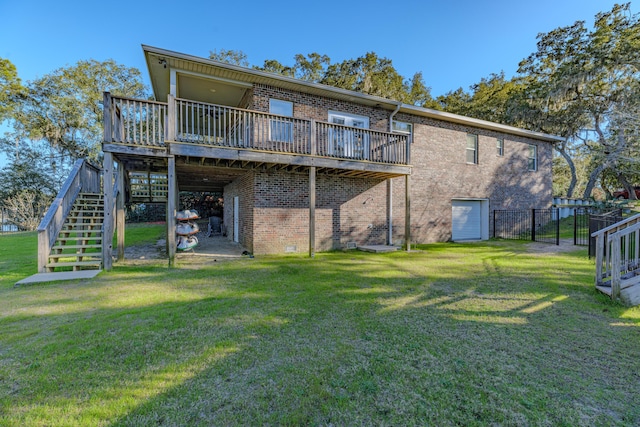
(454, 42)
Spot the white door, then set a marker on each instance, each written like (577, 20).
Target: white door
(466, 220)
(236, 219)
(346, 142)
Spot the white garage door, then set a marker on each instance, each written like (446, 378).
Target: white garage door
(466, 220)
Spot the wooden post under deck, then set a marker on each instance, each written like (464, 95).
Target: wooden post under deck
(120, 212)
(312, 193)
(312, 211)
(407, 212)
(107, 234)
(172, 195)
(389, 212)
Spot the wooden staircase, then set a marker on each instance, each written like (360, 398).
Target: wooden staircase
(79, 243)
(618, 261)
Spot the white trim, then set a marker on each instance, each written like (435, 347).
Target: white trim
(335, 113)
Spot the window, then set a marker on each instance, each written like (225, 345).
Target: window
(533, 157)
(500, 146)
(402, 127)
(472, 149)
(281, 130)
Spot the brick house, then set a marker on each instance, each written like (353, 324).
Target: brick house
(306, 167)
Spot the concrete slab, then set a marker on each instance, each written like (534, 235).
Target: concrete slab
(63, 275)
(378, 248)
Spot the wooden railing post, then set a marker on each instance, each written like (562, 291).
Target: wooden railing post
(171, 118)
(599, 257)
(43, 250)
(106, 111)
(616, 265)
(313, 144)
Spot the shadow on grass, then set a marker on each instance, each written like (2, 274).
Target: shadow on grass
(456, 334)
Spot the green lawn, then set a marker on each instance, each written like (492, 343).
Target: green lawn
(455, 334)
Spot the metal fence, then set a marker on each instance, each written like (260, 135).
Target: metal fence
(6, 223)
(537, 225)
(598, 222)
(588, 219)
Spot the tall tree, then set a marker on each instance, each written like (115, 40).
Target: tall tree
(487, 100)
(368, 74)
(11, 89)
(580, 79)
(58, 118)
(230, 56)
(63, 109)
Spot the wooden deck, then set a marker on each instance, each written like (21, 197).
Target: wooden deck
(143, 133)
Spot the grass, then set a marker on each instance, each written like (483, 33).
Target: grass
(455, 334)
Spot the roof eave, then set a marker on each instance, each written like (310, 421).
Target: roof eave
(259, 76)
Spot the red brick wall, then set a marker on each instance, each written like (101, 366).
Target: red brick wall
(243, 188)
(351, 209)
(440, 174)
(307, 106)
(347, 210)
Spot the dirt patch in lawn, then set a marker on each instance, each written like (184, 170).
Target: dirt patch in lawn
(566, 245)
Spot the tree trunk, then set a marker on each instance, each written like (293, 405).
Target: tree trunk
(609, 162)
(593, 177)
(572, 168)
(627, 186)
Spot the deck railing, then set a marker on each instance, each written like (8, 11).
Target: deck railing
(134, 121)
(224, 126)
(617, 253)
(150, 123)
(83, 177)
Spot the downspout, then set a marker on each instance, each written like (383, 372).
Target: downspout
(390, 188)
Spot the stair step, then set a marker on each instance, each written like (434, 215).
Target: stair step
(92, 255)
(92, 246)
(96, 239)
(81, 234)
(75, 264)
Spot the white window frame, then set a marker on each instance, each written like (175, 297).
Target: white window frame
(532, 158)
(280, 130)
(472, 139)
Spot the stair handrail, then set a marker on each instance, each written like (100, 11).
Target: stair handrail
(607, 262)
(83, 176)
